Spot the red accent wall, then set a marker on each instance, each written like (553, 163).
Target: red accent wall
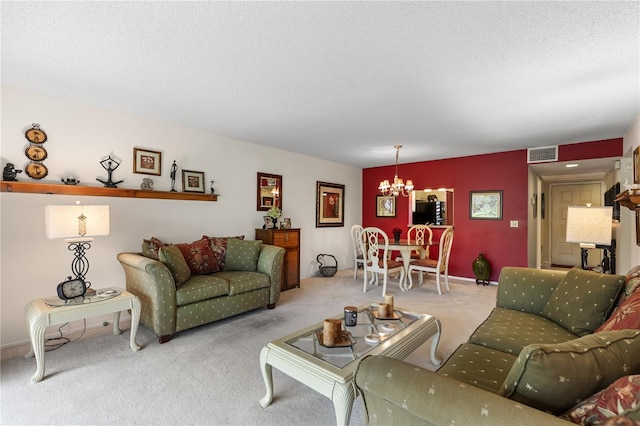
(505, 171)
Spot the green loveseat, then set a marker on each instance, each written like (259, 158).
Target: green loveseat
(535, 357)
(177, 295)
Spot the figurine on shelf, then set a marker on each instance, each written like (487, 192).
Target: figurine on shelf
(211, 186)
(70, 181)
(147, 184)
(174, 171)
(108, 165)
(9, 173)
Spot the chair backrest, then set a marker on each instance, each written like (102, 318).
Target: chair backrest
(420, 233)
(446, 241)
(356, 238)
(375, 247)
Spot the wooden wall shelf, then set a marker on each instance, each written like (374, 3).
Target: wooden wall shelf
(99, 191)
(628, 200)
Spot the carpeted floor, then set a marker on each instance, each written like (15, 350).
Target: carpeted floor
(211, 374)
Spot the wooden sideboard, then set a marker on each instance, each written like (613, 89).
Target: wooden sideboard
(289, 239)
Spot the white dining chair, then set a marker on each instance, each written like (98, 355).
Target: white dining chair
(358, 257)
(440, 266)
(421, 234)
(375, 247)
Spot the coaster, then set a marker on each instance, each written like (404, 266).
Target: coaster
(372, 339)
(344, 340)
(389, 328)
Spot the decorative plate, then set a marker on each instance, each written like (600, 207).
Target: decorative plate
(36, 170)
(36, 153)
(345, 339)
(35, 135)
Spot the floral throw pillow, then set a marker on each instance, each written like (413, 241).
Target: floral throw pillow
(617, 399)
(625, 317)
(199, 257)
(151, 246)
(219, 249)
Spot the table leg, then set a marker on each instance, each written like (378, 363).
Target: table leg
(37, 327)
(116, 323)
(267, 376)
(406, 259)
(343, 396)
(135, 322)
(434, 345)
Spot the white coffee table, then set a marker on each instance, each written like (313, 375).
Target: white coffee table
(330, 370)
(39, 315)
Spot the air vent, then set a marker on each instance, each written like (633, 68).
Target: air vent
(542, 155)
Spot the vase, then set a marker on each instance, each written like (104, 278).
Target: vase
(396, 237)
(274, 222)
(481, 269)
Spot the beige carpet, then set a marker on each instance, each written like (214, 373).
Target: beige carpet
(211, 375)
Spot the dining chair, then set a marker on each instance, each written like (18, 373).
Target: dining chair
(358, 258)
(420, 234)
(439, 267)
(375, 247)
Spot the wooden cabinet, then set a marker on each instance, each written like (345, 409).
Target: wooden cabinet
(289, 239)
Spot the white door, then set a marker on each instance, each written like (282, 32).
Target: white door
(563, 196)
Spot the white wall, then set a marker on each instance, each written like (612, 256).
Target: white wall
(629, 251)
(80, 136)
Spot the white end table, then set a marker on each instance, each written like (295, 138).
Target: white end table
(39, 315)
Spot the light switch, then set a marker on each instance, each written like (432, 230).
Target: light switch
(514, 223)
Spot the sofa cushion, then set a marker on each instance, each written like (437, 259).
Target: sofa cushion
(201, 287)
(199, 256)
(150, 248)
(509, 331)
(619, 398)
(219, 248)
(527, 289)
(173, 258)
(625, 317)
(583, 300)
(242, 282)
(481, 367)
(555, 377)
(242, 255)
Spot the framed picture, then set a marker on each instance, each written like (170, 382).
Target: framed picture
(147, 162)
(287, 223)
(329, 204)
(268, 223)
(637, 213)
(485, 205)
(385, 206)
(267, 201)
(192, 181)
(636, 165)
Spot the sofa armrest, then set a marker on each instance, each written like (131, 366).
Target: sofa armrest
(527, 289)
(398, 393)
(270, 262)
(152, 282)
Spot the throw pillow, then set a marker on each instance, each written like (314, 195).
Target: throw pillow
(219, 249)
(173, 258)
(151, 246)
(625, 317)
(199, 256)
(583, 300)
(242, 255)
(617, 399)
(554, 377)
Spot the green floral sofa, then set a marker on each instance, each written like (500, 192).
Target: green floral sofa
(559, 346)
(181, 286)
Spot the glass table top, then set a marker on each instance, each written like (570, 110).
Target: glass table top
(365, 335)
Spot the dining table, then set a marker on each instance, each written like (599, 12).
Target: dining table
(406, 247)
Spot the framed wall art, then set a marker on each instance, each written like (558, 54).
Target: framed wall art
(485, 205)
(329, 204)
(147, 162)
(385, 206)
(192, 181)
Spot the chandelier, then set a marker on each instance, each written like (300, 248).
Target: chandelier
(398, 186)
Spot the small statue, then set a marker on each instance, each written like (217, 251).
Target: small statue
(9, 173)
(211, 186)
(174, 171)
(147, 184)
(70, 181)
(107, 164)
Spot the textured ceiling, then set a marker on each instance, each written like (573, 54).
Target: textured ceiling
(344, 81)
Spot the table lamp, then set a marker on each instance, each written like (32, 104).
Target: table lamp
(589, 226)
(77, 224)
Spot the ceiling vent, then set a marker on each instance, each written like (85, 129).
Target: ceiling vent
(543, 154)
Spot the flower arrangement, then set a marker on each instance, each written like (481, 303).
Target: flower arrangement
(274, 212)
(396, 231)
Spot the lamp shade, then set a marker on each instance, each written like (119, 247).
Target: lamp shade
(589, 225)
(76, 221)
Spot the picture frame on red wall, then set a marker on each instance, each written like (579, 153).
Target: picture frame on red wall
(486, 205)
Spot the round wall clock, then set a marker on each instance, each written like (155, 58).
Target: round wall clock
(36, 135)
(36, 170)
(35, 153)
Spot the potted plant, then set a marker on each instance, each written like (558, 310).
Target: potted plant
(274, 213)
